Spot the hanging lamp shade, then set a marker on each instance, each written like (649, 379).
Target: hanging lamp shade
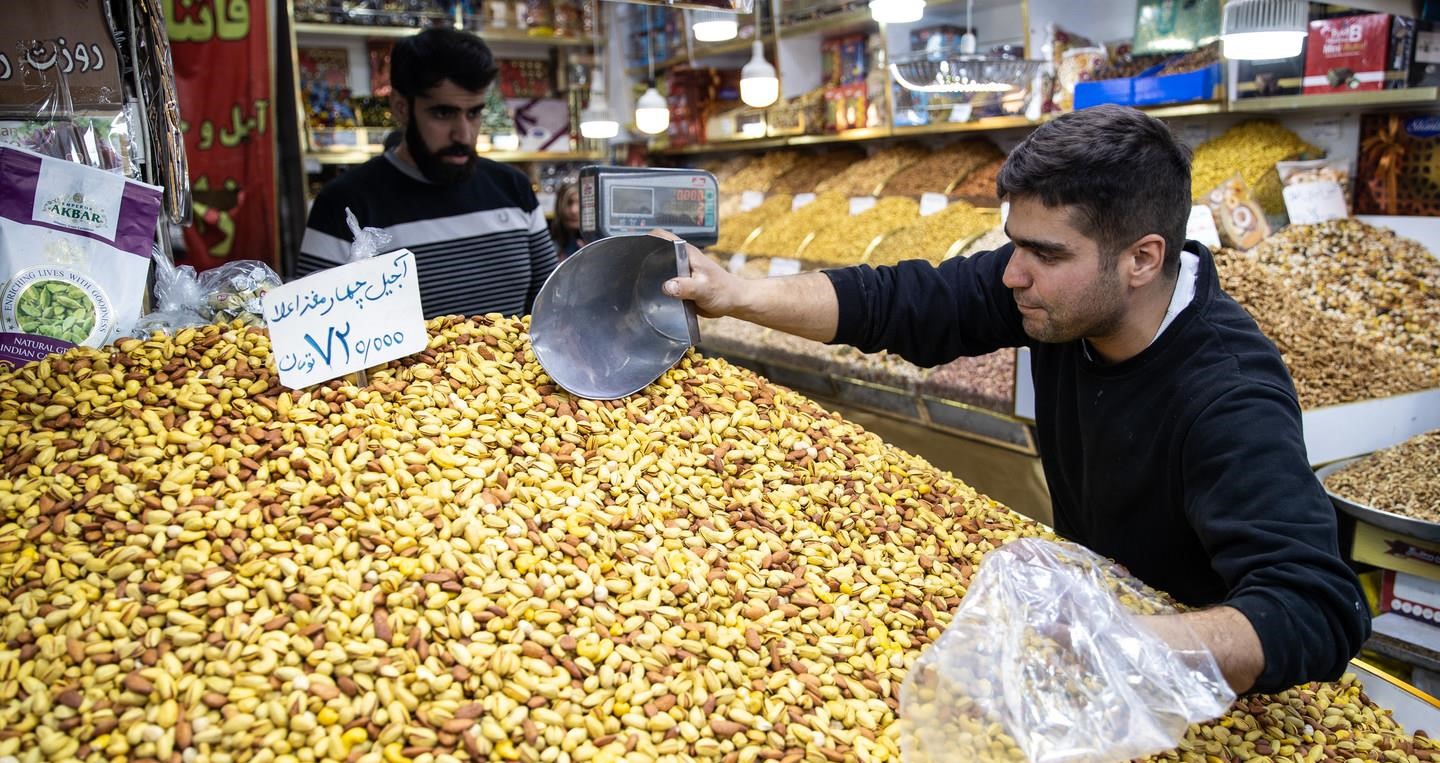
(652, 114)
(714, 26)
(897, 11)
(759, 85)
(1264, 29)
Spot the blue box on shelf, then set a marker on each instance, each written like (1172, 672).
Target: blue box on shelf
(1177, 88)
(1118, 91)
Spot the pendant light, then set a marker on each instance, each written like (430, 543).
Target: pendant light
(897, 11)
(714, 26)
(595, 120)
(1264, 29)
(759, 85)
(652, 115)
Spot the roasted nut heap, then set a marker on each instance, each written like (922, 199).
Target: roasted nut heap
(1404, 479)
(1330, 359)
(811, 171)
(987, 381)
(1385, 284)
(845, 242)
(942, 168)
(747, 340)
(932, 238)
(980, 183)
(864, 178)
(760, 174)
(460, 562)
(1252, 149)
(734, 229)
(456, 562)
(782, 236)
(722, 169)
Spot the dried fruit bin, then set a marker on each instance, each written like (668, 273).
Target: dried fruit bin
(987, 381)
(461, 562)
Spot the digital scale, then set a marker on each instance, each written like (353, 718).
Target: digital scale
(626, 200)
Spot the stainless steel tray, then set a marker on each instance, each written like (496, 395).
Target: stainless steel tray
(1415, 528)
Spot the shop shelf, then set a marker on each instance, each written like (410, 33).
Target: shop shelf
(1416, 96)
(491, 36)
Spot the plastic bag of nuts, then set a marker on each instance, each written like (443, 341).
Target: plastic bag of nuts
(1040, 658)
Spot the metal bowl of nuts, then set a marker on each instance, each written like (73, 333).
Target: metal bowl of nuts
(1385, 520)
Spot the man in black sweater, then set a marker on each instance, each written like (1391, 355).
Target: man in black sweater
(1168, 425)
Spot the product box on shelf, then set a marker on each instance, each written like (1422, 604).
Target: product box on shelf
(1351, 53)
(1425, 61)
(1119, 91)
(853, 61)
(1398, 170)
(1390, 550)
(1198, 85)
(525, 78)
(1409, 595)
(1276, 76)
(845, 107)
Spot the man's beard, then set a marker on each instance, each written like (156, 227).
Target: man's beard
(431, 165)
(1099, 314)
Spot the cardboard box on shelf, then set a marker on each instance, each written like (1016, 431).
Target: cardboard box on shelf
(1390, 550)
(1425, 62)
(1398, 172)
(1353, 53)
(1277, 76)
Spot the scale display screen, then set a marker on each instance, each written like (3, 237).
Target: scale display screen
(619, 200)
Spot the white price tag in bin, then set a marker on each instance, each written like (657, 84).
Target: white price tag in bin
(345, 319)
(859, 204)
(750, 200)
(784, 266)
(930, 203)
(1315, 202)
(737, 261)
(800, 200)
(1201, 227)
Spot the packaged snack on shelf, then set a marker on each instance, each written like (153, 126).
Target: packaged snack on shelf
(1078, 65)
(75, 249)
(1058, 41)
(1240, 219)
(1399, 166)
(1316, 170)
(1350, 53)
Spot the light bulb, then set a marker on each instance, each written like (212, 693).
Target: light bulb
(1253, 46)
(595, 121)
(759, 87)
(717, 28)
(897, 11)
(652, 115)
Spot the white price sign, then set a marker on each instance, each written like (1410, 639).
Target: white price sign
(1315, 202)
(1201, 227)
(859, 204)
(750, 200)
(737, 261)
(345, 319)
(784, 266)
(930, 203)
(800, 200)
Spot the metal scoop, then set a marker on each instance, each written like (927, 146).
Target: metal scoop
(601, 326)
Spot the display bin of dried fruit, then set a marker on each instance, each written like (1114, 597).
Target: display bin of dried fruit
(978, 187)
(760, 174)
(738, 228)
(785, 236)
(984, 381)
(943, 169)
(810, 170)
(1250, 148)
(852, 238)
(868, 176)
(190, 550)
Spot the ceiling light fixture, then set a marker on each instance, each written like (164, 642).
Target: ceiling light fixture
(897, 11)
(652, 114)
(759, 84)
(1264, 29)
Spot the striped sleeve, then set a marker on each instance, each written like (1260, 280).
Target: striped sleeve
(322, 247)
(542, 255)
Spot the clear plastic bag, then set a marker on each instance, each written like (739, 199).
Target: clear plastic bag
(1046, 660)
(365, 242)
(99, 139)
(221, 295)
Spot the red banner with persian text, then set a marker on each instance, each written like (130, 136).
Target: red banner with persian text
(221, 50)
